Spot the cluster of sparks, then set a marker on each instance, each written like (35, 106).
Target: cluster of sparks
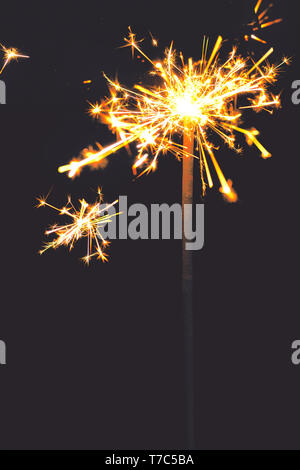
(10, 55)
(202, 99)
(261, 21)
(86, 222)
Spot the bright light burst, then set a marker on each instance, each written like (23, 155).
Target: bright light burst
(261, 21)
(86, 222)
(204, 98)
(9, 55)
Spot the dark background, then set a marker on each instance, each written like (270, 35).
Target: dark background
(95, 355)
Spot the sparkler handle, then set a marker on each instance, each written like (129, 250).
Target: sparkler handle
(187, 291)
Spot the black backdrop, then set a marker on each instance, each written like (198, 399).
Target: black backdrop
(95, 355)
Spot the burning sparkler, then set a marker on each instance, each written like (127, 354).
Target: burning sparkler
(261, 21)
(9, 55)
(198, 102)
(86, 223)
(195, 99)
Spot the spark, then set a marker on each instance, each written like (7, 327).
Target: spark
(95, 109)
(257, 6)
(207, 98)
(9, 55)
(154, 40)
(86, 222)
(261, 21)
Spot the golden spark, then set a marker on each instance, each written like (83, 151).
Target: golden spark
(86, 223)
(261, 21)
(154, 40)
(202, 99)
(9, 55)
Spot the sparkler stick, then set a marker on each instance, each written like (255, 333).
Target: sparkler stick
(187, 287)
(187, 260)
